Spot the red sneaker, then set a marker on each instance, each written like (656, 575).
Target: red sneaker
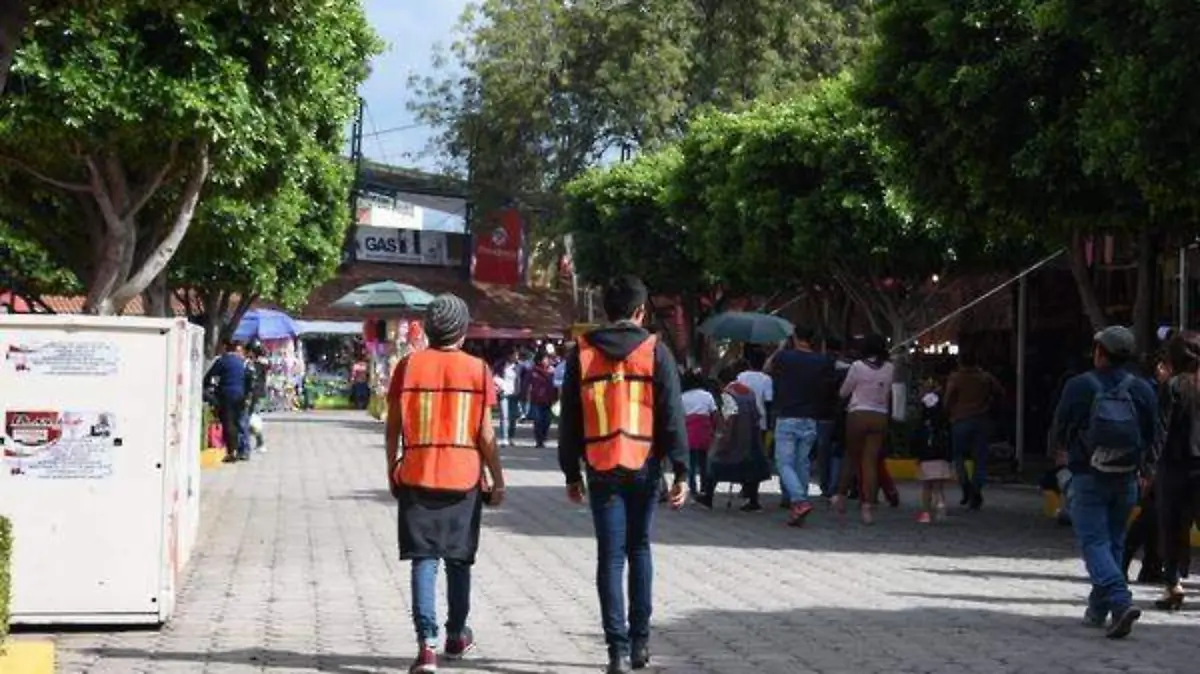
(426, 662)
(459, 645)
(799, 512)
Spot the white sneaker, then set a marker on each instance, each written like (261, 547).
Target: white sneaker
(262, 449)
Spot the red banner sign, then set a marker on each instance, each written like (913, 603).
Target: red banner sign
(497, 256)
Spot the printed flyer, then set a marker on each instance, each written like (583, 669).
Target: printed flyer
(69, 358)
(43, 444)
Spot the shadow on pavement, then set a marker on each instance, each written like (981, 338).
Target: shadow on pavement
(325, 662)
(932, 639)
(999, 533)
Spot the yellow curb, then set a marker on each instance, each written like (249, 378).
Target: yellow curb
(27, 656)
(211, 458)
(906, 470)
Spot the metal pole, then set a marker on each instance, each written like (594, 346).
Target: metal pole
(1038, 265)
(1183, 289)
(1022, 332)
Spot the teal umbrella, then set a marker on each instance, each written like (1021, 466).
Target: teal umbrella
(385, 296)
(747, 326)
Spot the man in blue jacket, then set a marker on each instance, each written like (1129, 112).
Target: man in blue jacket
(228, 375)
(1106, 420)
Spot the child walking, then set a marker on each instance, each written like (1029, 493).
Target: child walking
(933, 456)
(700, 415)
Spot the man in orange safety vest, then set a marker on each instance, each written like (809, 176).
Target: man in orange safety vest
(621, 416)
(439, 409)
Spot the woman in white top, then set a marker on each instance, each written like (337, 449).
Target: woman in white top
(868, 386)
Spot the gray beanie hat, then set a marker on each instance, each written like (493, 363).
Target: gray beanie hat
(446, 320)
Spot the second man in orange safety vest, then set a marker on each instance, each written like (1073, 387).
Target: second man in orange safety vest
(439, 409)
(622, 415)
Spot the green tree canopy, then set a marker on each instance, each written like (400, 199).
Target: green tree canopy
(116, 118)
(619, 224)
(981, 102)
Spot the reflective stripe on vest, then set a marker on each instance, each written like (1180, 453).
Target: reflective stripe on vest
(618, 406)
(442, 411)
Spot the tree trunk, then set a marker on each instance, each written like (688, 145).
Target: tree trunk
(14, 17)
(1084, 284)
(156, 299)
(1143, 303)
(157, 261)
(106, 275)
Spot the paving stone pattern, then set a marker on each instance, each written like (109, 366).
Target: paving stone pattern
(296, 570)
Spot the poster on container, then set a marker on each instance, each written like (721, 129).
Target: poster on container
(62, 358)
(48, 444)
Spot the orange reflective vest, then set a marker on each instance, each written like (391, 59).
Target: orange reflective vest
(618, 406)
(443, 401)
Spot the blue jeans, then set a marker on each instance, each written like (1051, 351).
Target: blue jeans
(623, 514)
(794, 440)
(969, 439)
(424, 597)
(541, 422)
(1100, 509)
(697, 469)
(510, 412)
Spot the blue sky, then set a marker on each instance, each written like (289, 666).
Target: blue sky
(410, 28)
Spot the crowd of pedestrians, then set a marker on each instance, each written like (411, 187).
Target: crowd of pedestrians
(630, 424)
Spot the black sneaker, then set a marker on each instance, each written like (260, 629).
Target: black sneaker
(1093, 620)
(641, 655)
(1122, 623)
(753, 507)
(705, 501)
(459, 645)
(619, 664)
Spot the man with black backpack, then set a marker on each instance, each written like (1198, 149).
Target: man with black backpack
(1106, 420)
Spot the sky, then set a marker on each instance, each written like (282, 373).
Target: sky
(411, 29)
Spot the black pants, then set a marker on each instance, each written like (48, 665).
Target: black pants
(230, 411)
(1143, 535)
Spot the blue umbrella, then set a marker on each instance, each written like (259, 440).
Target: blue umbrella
(265, 324)
(747, 326)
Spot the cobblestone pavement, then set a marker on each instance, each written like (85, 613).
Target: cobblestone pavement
(296, 571)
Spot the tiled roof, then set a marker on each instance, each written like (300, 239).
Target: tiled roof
(503, 310)
(73, 304)
(542, 311)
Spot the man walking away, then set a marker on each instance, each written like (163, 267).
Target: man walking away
(440, 404)
(508, 384)
(1106, 420)
(970, 394)
(229, 372)
(542, 396)
(801, 377)
(622, 414)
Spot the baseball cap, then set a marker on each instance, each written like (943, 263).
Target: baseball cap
(1117, 340)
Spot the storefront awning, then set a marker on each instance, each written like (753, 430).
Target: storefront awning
(515, 313)
(332, 328)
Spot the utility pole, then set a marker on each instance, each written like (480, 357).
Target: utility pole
(356, 158)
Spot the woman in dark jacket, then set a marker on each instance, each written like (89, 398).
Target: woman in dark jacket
(1175, 462)
(737, 454)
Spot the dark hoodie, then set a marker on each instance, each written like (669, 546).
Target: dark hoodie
(670, 432)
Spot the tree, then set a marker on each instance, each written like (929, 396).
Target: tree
(543, 90)
(797, 194)
(618, 221)
(122, 112)
(980, 102)
(274, 246)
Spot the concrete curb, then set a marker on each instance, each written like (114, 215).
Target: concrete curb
(27, 656)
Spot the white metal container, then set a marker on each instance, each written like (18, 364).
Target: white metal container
(100, 472)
